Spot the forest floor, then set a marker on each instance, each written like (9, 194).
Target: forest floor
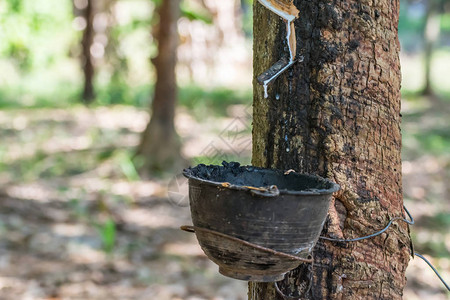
(77, 222)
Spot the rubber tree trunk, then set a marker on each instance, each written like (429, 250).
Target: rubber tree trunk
(87, 60)
(337, 114)
(160, 145)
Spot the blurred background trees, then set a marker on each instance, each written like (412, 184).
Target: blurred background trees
(160, 145)
(71, 195)
(424, 29)
(432, 29)
(42, 41)
(85, 11)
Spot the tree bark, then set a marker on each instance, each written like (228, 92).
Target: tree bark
(337, 115)
(87, 60)
(160, 145)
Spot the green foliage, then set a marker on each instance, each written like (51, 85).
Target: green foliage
(15, 5)
(124, 159)
(190, 10)
(442, 220)
(39, 54)
(2, 158)
(247, 17)
(105, 155)
(217, 159)
(445, 22)
(18, 51)
(33, 32)
(431, 243)
(107, 231)
(206, 101)
(434, 139)
(197, 99)
(121, 93)
(410, 24)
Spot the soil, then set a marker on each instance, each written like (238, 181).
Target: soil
(65, 176)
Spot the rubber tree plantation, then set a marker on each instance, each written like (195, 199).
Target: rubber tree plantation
(335, 112)
(160, 145)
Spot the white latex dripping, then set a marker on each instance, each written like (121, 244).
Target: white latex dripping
(288, 14)
(288, 40)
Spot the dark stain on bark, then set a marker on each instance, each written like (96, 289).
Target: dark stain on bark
(365, 195)
(350, 63)
(352, 45)
(323, 274)
(304, 112)
(275, 104)
(298, 282)
(328, 16)
(377, 14)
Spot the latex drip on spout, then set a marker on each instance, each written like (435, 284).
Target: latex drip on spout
(286, 10)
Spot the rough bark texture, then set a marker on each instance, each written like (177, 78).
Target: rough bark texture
(160, 145)
(337, 114)
(87, 60)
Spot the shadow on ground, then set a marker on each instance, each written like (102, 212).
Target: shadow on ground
(76, 222)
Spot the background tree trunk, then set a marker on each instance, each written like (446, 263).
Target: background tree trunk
(337, 114)
(160, 145)
(87, 60)
(430, 37)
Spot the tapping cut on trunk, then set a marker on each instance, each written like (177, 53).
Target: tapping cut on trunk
(284, 8)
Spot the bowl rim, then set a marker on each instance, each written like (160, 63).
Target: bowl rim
(334, 187)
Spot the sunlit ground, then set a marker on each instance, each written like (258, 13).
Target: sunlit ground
(76, 222)
(67, 175)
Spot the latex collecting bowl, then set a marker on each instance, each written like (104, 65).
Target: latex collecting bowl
(252, 222)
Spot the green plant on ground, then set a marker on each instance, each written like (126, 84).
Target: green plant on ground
(107, 231)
